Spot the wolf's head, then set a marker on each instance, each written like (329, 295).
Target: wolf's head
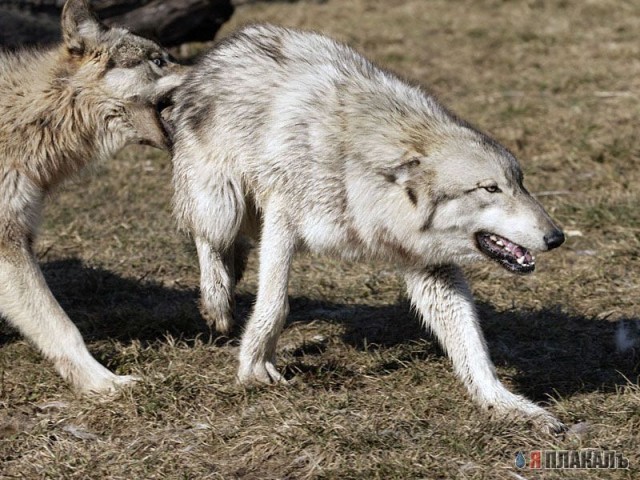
(465, 199)
(132, 71)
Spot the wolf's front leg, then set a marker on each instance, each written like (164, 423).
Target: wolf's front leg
(258, 347)
(28, 304)
(217, 281)
(209, 203)
(443, 299)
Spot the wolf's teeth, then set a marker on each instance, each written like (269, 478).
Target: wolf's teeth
(521, 260)
(494, 238)
(499, 243)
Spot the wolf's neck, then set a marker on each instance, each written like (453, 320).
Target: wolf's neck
(52, 128)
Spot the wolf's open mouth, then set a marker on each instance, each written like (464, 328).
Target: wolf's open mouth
(511, 256)
(164, 106)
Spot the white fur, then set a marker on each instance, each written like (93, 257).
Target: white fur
(341, 158)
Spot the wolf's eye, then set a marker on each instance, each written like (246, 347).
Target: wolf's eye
(159, 62)
(492, 189)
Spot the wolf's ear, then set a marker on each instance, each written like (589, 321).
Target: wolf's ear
(80, 26)
(406, 174)
(169, 82)
(402, 173)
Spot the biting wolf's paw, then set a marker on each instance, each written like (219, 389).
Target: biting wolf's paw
(263, 372)
(121, 381)
(108, 384)
(90, 377)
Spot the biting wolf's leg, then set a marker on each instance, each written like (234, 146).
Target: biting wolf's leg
(258, 347)
(28, 304)
(442, 297)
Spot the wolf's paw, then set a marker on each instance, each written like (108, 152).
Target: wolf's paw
(263, 372)
(537, 416)
(219, 319)
(105, 385)
(126, 380)
(517, 407)
(88, 376)
(548, 423)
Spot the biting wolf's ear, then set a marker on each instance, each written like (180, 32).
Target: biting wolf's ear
(404, 172)
(80, 26)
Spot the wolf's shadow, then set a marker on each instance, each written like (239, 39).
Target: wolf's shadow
(553, 353)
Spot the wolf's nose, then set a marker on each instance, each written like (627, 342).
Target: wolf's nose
(554, 240)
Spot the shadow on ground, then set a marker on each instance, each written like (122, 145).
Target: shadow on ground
(553, 352)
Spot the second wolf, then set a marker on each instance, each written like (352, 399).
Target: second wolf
(302, 137)
(61, 109)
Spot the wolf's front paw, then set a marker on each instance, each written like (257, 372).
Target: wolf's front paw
(90, 377)
(518, 407)
(262, 372)
(106, 385)
(545, 422)
(218, 318)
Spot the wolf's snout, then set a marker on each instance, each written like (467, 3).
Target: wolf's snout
(554, 240)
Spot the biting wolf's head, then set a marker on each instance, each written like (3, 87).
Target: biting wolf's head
(133, 71)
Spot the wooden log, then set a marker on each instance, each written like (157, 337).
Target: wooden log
(171, 22)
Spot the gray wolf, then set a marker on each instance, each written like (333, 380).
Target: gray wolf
(302, 139)
(61, 109)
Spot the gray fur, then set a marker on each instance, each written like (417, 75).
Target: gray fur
(61, 109)
(329, 153)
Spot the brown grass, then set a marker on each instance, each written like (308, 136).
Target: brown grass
(559, 83)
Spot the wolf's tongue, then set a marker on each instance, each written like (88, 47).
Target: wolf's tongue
(514, 248)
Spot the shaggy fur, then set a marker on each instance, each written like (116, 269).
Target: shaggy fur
(59, 110)
(332, 154)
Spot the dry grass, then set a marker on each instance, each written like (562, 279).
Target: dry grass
(559, 83)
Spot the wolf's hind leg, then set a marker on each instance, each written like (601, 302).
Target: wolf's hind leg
(258, 346)
(444, 301)
(28, 304)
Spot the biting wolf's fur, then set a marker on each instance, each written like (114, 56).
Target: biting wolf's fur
(337, 156)
(59, 110)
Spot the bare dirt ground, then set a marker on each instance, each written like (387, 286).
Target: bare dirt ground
(559, 83)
